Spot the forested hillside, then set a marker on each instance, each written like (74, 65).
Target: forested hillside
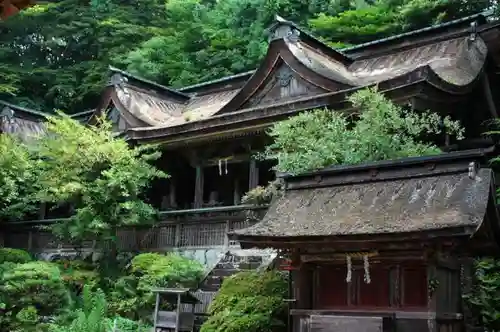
(55, 55)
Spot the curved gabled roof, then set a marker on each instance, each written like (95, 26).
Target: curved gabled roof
(22, 122)
(298, 66)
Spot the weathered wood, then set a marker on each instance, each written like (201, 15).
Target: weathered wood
(184, 228)
(345, 323)
(488, 95)
(253, 178)
(198, 189)
(170, 319)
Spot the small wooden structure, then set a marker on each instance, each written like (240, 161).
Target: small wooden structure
(174, 320)
(384, 246)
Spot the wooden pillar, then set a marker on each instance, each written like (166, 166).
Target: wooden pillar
(236, 193)
(198, 188)
(173, 199)
(432, 278)
(253, 177)
(42, 211)
(157, 308)
(178, 313)
(489, 97)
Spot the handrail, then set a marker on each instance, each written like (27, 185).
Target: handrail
(161, 213)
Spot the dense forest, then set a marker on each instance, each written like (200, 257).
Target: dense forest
(56, 55)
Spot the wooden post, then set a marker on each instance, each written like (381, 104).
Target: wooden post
(42, 211)
(431, 296)
(236, 193)
(173, 200)
(253, 177)
(30, 241)
(178, 235)
(157, 308)
(226, 238)
(198, 189)
(177, 317)
(487, 94)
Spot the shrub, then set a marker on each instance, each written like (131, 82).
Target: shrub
(14, 256)
(132, 297)
(126, 325)
(77, 273)
(249, 302)
(384, 131)
(35, 285)
(484, 299)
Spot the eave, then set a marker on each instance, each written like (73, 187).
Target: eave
(418, 84)
(446, 182)
(424, 69)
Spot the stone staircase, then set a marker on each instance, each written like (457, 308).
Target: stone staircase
(230, 263)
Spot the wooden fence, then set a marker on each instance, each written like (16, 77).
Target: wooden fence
(200, 228)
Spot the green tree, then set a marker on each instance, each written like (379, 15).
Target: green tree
(101, 176)
(380, 130)
(18, 174)
(55, 55)
(372, 20)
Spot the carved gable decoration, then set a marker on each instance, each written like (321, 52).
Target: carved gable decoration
(280, 86)
(114, 116)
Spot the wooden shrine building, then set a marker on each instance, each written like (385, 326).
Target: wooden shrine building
(401, 233)
(385, 246)
(210, 132)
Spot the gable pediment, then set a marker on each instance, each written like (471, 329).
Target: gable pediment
(283, 84)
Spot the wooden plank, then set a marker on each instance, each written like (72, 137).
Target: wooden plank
(345, 323)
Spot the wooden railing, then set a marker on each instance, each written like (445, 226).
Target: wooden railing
(196, 228)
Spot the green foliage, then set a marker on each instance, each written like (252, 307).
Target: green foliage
(66, 295)
(101, 176)
(484, 299)
(364, 22)
(120, 324)
(76, 274)
(262, 195)
(14, 255)
(250, 302)
(91, 317)
(56, 54)
(383, 131)
(18, 172)
(33, 284)
(131, 295)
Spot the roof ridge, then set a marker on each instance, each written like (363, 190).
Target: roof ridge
(281, 20)
(346, 49)
(149, 82)
(417, 31)
(24, 109)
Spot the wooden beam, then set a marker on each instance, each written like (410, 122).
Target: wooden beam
(228, 159)
(487, 94)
